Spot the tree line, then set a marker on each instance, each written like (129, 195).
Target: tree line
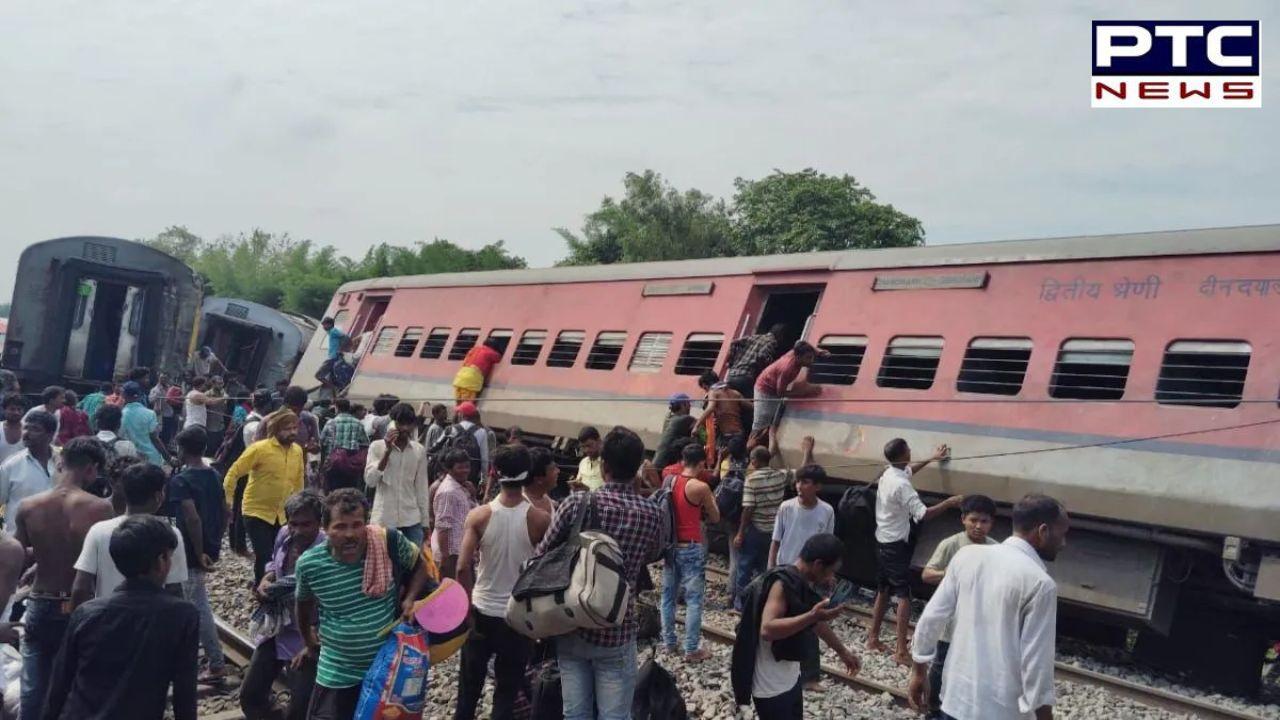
(784, 212)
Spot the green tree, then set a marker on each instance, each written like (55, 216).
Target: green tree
(297, 275)
(808, 211)
(652, 221)
(179, 242)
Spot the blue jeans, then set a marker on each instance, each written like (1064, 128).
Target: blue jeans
(195, 591)
(686, 568)
(752, 557)
(414, 533)
(594, 677)
(45, 625)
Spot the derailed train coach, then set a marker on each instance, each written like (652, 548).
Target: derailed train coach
(89, 309)
(260, 344)
(1134, 377)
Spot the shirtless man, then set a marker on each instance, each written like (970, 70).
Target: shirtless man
(52, 525)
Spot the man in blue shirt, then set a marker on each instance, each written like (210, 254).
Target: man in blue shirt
(337, 339)
(140, 426)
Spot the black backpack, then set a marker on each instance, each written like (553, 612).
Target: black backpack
(657, 696)
(664, 500)
(857, 511)
(729, 495)
(458, 438)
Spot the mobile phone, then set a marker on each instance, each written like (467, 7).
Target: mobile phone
(841, 594)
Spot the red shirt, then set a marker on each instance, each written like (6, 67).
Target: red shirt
(482, 358)
(777, 377)
(688, 515)
(73, 423)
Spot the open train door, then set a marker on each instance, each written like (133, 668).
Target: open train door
(130, 329)
(791, 305)
(81, 326)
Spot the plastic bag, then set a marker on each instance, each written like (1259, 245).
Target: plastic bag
(395, 688)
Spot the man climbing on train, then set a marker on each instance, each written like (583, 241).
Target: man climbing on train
(337, 339)
(476, 368)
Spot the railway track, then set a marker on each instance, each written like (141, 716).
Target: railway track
(238, 650)
(1153, 697)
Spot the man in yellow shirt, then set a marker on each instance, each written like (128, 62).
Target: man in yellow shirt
(275, 468)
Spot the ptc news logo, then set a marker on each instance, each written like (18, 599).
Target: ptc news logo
(1176, 64)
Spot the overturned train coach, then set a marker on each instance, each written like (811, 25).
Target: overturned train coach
(260, 344)
(1134, 377)
(89, 309)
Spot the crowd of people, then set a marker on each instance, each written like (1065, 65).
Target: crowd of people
(116, 515)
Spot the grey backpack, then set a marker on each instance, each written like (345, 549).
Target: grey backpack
(579, 584)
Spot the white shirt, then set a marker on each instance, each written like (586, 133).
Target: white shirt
(8, 450)
(772, 676)
(1005, 608)
(22, 476)
(250, 429)
(197, 414)
(123, 448)
(897, 504)
(95, 557)
(504, 548)
(796, 523)
(401, 499)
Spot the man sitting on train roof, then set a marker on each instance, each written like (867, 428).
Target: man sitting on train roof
(475, 370)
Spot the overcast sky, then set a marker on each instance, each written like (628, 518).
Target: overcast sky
(351, 123)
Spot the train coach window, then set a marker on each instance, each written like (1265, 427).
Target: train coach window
(462, 344)
(995, 366)
(408, 342)
(500, 339)
(564, 351)
(910, 362)
(1208, 374)
(651, 351)
(841, 367)
(1091, 369)
(386, 338)
(433, 348)
(529, 347)
(699, 353)
(606, 351)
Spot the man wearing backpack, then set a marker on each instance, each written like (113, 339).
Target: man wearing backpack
(598, 667)
(685, 565)
(108, 421)
(472, 438)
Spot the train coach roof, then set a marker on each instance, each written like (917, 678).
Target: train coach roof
(1208, 241)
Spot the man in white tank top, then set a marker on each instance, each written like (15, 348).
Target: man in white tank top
(502, 534)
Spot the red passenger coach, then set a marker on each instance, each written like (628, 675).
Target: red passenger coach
(1134, 377)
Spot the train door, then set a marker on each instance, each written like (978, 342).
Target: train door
(129, 329)
(81, 324)
(368, 315)
(105, 329)
(791, 306)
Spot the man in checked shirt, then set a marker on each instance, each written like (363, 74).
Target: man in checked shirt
(598, 667)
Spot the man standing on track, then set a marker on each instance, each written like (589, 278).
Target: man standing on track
(1004, 607)
(397, 473)
(140, 426)
(503, 534)
(53, 525)
(275, 470)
